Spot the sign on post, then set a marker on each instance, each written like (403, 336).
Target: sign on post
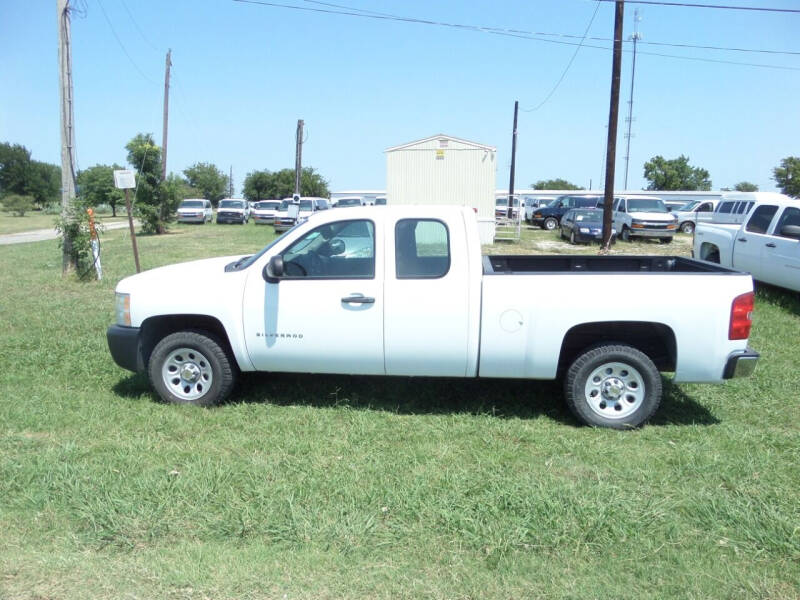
(125, 179)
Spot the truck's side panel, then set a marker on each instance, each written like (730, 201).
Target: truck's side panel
(520, 341)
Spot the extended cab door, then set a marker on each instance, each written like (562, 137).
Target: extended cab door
(749, 243)
(325, 315)
(432, 303)
(781, 263)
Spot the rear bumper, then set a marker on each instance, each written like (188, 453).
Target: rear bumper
(741, 364)
(123, 342)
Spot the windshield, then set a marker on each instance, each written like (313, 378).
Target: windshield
(689, 205)
(589, 216)
(285, 205)
(267, 205)
(231, 204)
(305, 205)
(380, 201)
(191, 204)
(645, 205)
(349, 202)
(554, 202)
(504, 202)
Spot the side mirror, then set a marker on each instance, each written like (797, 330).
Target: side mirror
(273, 271)
(791, 231)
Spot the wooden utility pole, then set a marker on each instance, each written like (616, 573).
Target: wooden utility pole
(166, 117)
(67, 130)
(298, 157)
(510, 213)
(613, 119)
(230, 183)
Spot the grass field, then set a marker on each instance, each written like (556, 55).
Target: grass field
(34, 220)
(361, 487)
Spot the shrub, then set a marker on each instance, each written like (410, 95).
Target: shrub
(17, 204)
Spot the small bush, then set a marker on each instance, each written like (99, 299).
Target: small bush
(76, 228)
(17, 204)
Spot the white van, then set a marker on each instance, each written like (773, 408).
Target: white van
(643, 216)
(195, 210)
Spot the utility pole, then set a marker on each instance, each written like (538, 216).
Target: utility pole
(635, 37)
(298, 157)
(230, 183)
(613, 121)
(67, 130)
(166, 117)
(510, 211)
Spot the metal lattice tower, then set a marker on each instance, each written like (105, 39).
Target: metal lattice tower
(635, 38)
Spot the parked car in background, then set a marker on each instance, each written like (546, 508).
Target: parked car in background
(349, 202)
(688, 213)
(233, 210)
(309, 206)
(501, 208)
(584, 226)
(531, 204)
(549, 216)
(284, 221)
(264, 211)
(766, 244)
(380, 201)
(643, 216)
(195, 210)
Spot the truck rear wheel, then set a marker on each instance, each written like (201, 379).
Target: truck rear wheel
(613, 385)
(191, 367)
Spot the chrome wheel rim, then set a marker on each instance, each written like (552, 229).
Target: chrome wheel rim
(187, 374)
(549, 224)
(614, 390)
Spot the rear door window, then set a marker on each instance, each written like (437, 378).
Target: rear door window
(422, 249)
(762, 217)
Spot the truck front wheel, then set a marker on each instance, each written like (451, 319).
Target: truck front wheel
(613, 385)
(550, 223)
(191, 367)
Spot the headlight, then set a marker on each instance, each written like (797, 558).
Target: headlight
(537, 215)
(123, 305)
(584, 230)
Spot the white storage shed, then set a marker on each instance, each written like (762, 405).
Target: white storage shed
(443, 169)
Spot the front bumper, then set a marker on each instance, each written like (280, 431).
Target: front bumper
(263, 220)
(201, 218)
(593, 237)
(125, 347)
(652, 232)
(741, 364)
(283, 225)
(230, 218)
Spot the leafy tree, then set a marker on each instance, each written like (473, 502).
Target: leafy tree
(554, 184)
(212, 183)
(19, 205)
(675, 174)
(145, 157)
(21, 175)
(258, 185)
(97, 187)
(280, 184)
(787, 176)
(745, 186)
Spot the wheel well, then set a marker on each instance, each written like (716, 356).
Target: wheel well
(709, 252)
(155, 329)
(656, 340)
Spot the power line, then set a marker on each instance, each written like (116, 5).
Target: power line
(722, 6)
(121, 45)
(569, 64)
(135, 24)
(528, 35)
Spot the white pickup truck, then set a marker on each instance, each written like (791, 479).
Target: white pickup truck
(404, 291)
(766, 243)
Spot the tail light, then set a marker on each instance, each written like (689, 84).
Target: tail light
(741, 317)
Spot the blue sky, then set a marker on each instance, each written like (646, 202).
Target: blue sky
(244, 73)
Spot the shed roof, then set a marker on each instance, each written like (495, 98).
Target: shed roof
(442, 136)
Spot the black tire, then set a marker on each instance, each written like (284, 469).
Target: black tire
(201, 354)
(626, 234)
(550, 223)
(687, 227)
(665, 240)
(614, 386)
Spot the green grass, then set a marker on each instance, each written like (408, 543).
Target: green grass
(363, 487)
(34, 220)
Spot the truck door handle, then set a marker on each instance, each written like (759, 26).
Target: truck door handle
(358, 299)
(771, 245)
(742, 239)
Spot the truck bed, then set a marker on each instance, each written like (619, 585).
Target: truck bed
(528, 263)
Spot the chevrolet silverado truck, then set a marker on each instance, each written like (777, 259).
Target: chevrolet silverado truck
(405, 291)
(766, 243)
